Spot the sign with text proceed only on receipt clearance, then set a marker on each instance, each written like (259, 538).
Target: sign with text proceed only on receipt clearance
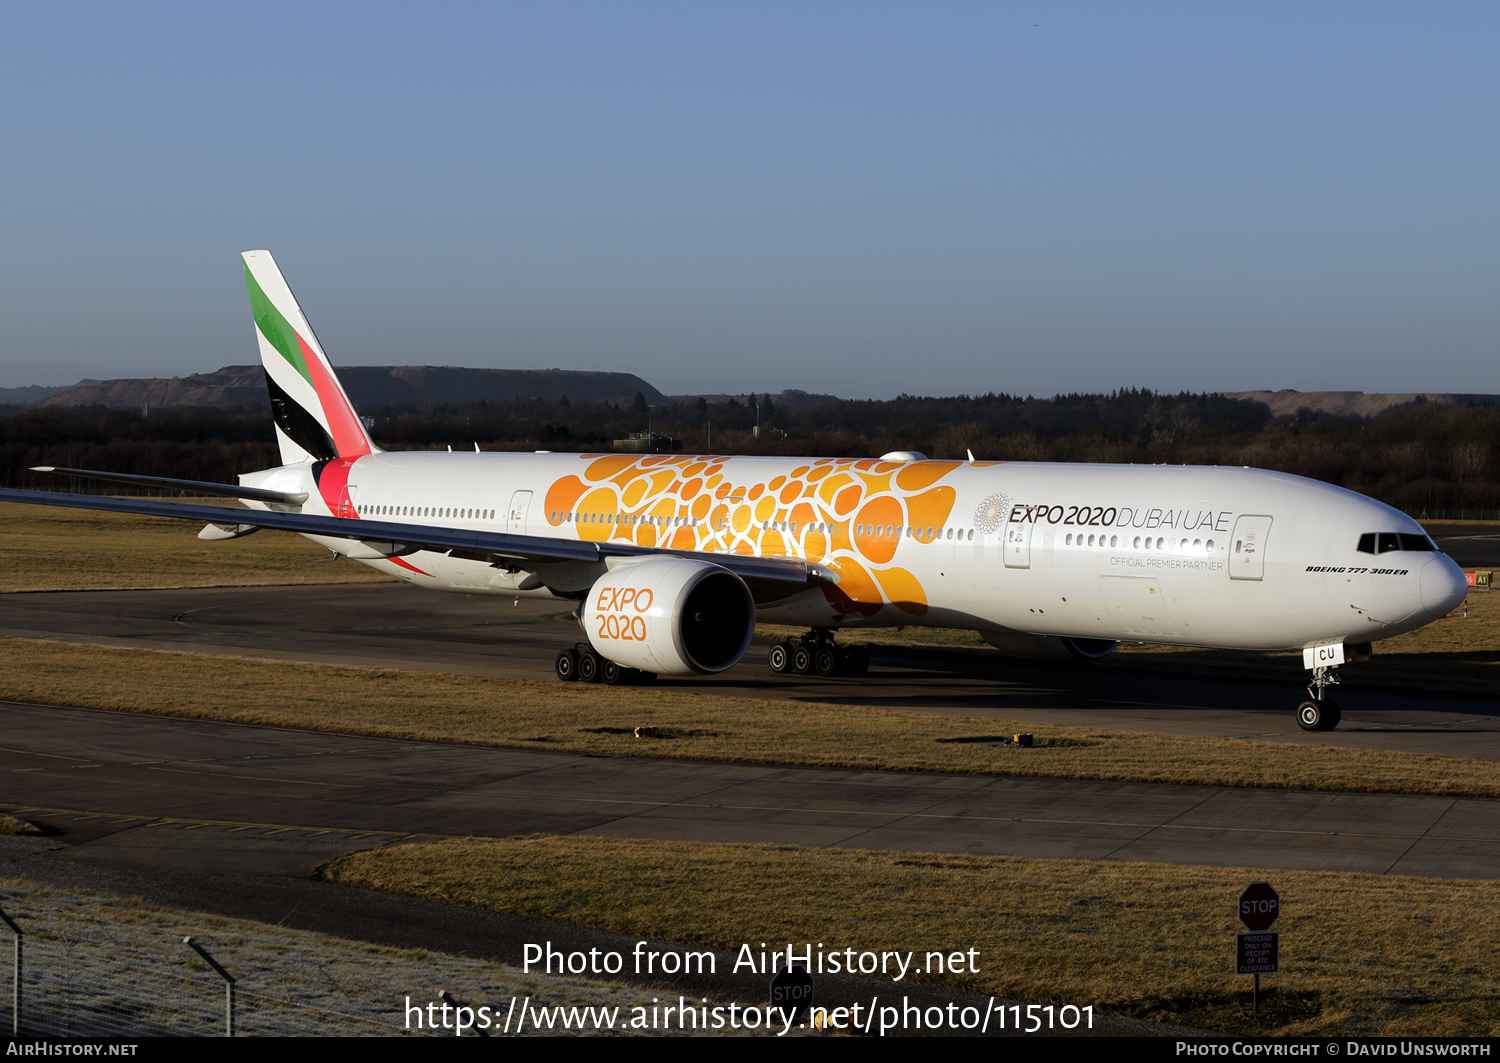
(1259, 951)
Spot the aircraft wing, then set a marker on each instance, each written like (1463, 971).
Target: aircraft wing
(779, 576)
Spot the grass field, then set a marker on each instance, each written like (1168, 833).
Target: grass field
(584, 718)
(1360, 954)
(51, 549)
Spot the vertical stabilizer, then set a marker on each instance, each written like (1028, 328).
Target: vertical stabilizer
(314, 418)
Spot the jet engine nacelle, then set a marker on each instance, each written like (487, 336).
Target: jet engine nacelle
(1016, 644)
(671, 616)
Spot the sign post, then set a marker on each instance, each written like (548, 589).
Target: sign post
(1259, 950)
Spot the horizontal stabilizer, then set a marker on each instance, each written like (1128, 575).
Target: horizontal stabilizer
(197, 487)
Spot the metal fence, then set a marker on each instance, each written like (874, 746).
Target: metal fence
(76, 964)
(1453, 514)
(113, 981)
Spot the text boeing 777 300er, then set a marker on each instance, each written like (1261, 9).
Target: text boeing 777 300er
(673, 559)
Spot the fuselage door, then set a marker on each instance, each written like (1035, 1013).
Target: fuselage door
(1018, 545)
(345, 508)
(515, 517)
(1247, 548)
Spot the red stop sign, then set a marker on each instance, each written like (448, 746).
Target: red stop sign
(1260, 906)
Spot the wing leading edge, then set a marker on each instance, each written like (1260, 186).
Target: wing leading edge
(770, 578)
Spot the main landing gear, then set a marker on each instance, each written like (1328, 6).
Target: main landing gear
(582, 663)
(816, 654)
(1319, 712)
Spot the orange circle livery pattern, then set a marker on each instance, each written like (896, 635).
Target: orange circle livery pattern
(688, 503)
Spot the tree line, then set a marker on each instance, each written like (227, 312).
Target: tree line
(1423, 455)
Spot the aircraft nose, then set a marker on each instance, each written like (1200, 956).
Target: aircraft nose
(1444, 586)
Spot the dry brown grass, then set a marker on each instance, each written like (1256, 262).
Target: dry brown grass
(51, 549)
(583, 718)
(11, 825)
(1361, 954)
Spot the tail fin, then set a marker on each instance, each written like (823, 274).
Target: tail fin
(314, 419)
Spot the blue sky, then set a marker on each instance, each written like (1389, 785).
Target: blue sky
(858, 198)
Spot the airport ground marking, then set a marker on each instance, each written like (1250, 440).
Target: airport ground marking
(1423, 837)
(892, 818)
(432, 790)
(884, 814)
(233, 825)
(38, 753)
(890, 815)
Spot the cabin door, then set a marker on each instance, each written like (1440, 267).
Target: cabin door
(1018, 545)
(515, 517)
(1247, 548)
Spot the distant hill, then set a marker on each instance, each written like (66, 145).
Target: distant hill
(369, 387)
(34, 394)
(235, 385)
(1287, 402)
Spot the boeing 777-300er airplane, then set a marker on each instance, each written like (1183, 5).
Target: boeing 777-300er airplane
(673, 559)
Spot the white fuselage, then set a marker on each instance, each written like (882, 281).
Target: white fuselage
(1196, 556)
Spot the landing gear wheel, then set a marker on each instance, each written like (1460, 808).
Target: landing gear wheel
(829, 661)
(802, 660)
(567, 665)
(588, 667)
(1318, 715)
(612, 673)
(780, 658)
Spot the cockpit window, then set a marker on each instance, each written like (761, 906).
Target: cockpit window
(1386, 542)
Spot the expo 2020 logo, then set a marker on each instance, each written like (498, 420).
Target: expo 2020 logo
(991, 514)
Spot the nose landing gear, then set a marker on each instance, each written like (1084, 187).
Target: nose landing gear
(1319, 712)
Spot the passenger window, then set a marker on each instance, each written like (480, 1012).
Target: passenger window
(1367, 543)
